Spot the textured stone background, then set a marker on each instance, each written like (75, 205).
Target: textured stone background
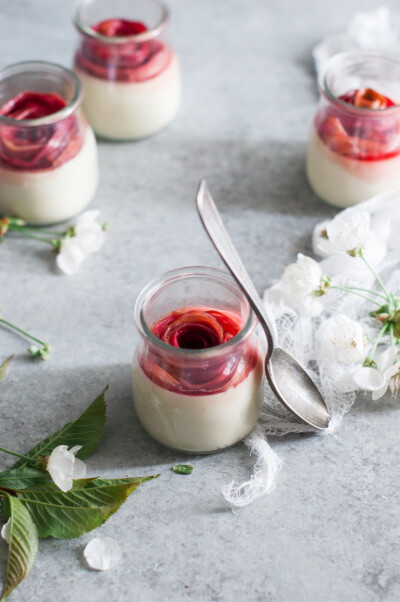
(330, 531)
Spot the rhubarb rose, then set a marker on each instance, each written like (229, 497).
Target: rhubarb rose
(48, 157)
(354, 146)
(130, 75)
(198, 381)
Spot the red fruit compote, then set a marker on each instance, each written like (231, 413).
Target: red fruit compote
(354, 146)
(48, 157)
(130, 75)
(198, 378)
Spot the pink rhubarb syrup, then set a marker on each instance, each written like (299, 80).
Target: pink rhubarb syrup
(130, 61)
(199, 328)
(44, 146)
(357, 135)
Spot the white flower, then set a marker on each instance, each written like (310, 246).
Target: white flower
(376, 379)
(346, 233)
(102, 554)
(88, 238)
(6, 531)
(64, 467)
(302, 281)
(344, 338)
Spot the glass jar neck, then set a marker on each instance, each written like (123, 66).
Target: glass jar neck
(191, 290)
(152, 14)
(352, 71)
(40, 77)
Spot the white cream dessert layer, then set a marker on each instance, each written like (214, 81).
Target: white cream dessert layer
(342, 181)
(198, 423)
(129, 110)
(49, 196)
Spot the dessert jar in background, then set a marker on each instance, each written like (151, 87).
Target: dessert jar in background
(354, 146)
(198, 371)
(130, 73)
(48, 154)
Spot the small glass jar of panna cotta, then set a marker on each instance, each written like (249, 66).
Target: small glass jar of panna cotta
(130, 74)
(354, 146)
(198, 371)
(48, 154)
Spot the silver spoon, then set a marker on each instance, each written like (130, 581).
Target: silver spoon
(287, 379)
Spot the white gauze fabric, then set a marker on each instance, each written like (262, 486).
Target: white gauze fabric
(377, 31)
(301, 337)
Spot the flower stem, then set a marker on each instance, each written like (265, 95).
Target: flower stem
(29, 229)
(367, 290)
(377, 278)
(378, 338)
(351, 290)
(39, 238)
(7, 451)
(22, 332)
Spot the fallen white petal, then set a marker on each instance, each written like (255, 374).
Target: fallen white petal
(102, 553)
(5, 531)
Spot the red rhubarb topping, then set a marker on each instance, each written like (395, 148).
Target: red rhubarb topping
(130, 61)
(42, 146)
(360, 136)
(199, 328)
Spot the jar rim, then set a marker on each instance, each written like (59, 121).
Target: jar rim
(144, 36)
(146, 293)
(32, 66)
(345, 106)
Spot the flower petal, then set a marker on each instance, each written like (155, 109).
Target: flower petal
(70, 256)
(102, 553)
(6, 531)
(386, 359)
(369, 379)
(79, 469)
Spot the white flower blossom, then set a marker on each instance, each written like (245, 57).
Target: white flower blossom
(6, 531)
(346, 233)
(88, 237)
(344, 339)
(102, 553)
(64, 467)
(301, 281)
(376, 379)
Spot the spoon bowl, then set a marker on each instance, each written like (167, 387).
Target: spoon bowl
(287, 378)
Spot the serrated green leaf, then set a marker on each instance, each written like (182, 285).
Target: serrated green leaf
(4, 366)
(20, 478)
(23, 544)
(87, 506)
(85, 430)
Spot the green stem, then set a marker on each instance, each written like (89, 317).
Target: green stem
(378, 338)
(39, 238)
(7, 451)
(29, 229)
(351, 290)
(22, 332)
(367, 290)
(377, 278)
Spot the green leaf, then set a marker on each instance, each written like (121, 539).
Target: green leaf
(85, 430)
(86, 506)
(23, 544)
(4, 366)
(20, 478)
(183, 468)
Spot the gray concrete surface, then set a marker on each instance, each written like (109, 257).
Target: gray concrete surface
(330, 531)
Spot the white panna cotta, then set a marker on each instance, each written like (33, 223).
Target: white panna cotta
(130, 110)
(344, 181)
(198, 423)
(46, 196)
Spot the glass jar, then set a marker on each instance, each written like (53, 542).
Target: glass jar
(130, 74)
(191, 392)
(354, 146)
(48, 154)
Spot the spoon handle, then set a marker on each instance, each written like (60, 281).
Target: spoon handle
(216, 230)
